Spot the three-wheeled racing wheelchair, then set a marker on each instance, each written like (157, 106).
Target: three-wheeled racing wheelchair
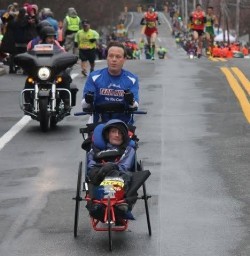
(110, 193)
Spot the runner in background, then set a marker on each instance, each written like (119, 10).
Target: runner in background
(211, 22)
(198, 20)
(150, 21)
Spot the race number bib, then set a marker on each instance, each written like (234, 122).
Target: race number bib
(151, 24)
(112, 187)
(197, 22)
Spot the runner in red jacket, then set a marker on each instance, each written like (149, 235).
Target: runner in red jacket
(150, 21)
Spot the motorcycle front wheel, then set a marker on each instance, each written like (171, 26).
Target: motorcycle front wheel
(44, 115)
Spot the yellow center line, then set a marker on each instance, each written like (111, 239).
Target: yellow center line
(222, 59)
(213, 59)
(238, 91)
(245, 82)
(217, 59)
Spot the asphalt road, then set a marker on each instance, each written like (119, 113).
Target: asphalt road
(194, 140)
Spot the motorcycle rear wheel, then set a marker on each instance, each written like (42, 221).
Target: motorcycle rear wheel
(44, 115)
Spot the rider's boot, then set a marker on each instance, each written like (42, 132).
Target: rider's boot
(66, 105)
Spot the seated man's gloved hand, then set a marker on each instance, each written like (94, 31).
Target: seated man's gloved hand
(129, 97)
(92, 40)
(93, 176)
(109, 169)
(89, 97)
(97, 174)
(127, 177)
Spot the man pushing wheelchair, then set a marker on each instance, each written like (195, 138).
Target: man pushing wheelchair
(112, 85)
(112, 175)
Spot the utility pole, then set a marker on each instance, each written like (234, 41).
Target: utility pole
(194, 4)
(182, 10)
(223, 14)
(179, 6)
(186, 13)
(237, 19)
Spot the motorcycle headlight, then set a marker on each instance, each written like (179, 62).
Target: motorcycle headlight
(44, 73)
(59, 80)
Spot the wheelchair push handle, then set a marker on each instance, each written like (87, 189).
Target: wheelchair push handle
(135, 112)
(110, 108)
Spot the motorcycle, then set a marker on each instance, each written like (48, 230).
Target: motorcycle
(48, 71)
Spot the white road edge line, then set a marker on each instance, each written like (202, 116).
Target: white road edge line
(10, 134)
(131, 21)
(74, 75)
(13, 131)
(167, 21)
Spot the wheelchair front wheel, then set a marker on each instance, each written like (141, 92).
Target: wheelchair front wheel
(109, 224)
(146, 208)
(145, 197)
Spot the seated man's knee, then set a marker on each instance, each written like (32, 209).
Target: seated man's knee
(96, 210)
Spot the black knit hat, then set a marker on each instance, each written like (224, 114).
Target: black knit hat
(85, 22)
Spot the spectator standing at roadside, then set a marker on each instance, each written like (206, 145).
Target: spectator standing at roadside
(60, 38)
(8, 16)
(32, 16)
(49, 16)
(71, 25)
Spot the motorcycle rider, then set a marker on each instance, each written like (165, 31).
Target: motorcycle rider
(112, 84)
(47, 36)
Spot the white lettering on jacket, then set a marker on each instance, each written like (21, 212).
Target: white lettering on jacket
(111, 92)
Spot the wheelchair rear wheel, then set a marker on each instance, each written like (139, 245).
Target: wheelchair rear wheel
(78, 199)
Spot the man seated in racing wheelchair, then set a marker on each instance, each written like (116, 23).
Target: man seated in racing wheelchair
(112, 154)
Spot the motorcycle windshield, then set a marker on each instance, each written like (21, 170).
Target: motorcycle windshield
(54, 58)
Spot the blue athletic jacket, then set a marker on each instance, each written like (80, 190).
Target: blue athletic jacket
(125, 163)
(110, 89)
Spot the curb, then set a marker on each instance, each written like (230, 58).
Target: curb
(2, 71)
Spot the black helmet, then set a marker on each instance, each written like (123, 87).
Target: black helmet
(42, 24)
(47, 31)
